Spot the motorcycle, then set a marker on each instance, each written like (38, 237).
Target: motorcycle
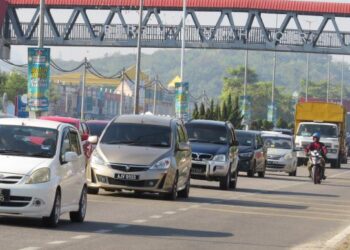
(317, 170)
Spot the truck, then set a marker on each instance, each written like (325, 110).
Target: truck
(329, 119)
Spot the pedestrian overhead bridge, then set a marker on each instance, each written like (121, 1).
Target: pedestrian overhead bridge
(269, 25)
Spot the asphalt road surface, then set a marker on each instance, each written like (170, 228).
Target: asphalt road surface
(275, 212)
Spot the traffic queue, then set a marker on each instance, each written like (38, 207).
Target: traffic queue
(49, 165)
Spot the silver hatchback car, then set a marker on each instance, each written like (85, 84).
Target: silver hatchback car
(144, 153)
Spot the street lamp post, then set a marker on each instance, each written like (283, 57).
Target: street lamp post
(328, 77)
(307, 68)
(41, 24)
(245, 83)
(83, 90)
(342, 82)
(273, 86)
(138, 61)
(183, 42)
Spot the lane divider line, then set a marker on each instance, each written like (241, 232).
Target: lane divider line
(139, 221)
(80, 237)
(156, 216)
(169, 212)
(58, 242)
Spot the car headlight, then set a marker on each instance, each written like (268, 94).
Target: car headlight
(246, 155)
(288, 156)
(97, 159)
(162, 164)
(41, 175)
(221, 158)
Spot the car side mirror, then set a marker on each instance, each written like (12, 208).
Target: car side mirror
(70, 157)
(93, 139)
(85, 137)
(183, 146)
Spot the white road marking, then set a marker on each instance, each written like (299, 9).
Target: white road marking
(103, 231)
(30, 248)
(121, 226)
(139, 221)
(169, 212)
(156, 216)
(183, 209)
(80, 237)
(58, 242)
(338, 238)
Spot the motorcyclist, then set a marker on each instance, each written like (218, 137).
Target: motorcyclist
(319, 146)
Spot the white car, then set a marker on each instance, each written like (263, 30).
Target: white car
(42, 170)
(281, 153)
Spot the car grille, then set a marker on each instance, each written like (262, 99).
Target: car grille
(274, 157)
(201, 157)
(130, 183)
(16, 201)
(9, 178)
(198, 169)
(128, 168)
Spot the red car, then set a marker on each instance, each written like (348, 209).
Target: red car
(80, 125)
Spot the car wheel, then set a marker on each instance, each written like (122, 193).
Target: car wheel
(251, 171)
(233, 183)
(92, 190)
(261, 174)
(185, 193)
(225, 181)
(79, 216)
(54, 218)
(173, 194)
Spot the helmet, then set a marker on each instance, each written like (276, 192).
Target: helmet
(317, 135)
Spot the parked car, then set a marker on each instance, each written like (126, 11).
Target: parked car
(214, 152)
(144, 153)
(252, 155)
(96, 128)
(80, 125)
(281, 154)
(42, 179)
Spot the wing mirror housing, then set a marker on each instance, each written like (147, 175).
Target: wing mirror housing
(93, 139)
(70, 157)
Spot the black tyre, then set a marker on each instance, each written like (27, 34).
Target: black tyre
(92, 190)
(251, 171)
(54, 218)
(261, 174)
(79, 216)
(225, 182)
(185, 193)
(173, 194)
(234, 181)
(317, 175)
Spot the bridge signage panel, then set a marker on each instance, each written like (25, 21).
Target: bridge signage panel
(38, 79)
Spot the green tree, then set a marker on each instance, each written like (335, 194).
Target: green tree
(217, 111)
(281, 123)
(211, 115)
(266, 125)
(195, 113)
(235, 115)
(202, 111)
(224, 113)
(15, 84)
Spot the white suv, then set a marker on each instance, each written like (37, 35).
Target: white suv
(42, 170)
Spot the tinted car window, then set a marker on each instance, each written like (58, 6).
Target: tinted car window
(96, 128)
(277, 142)
(207, 133)
(74, 141)
(28, 141)
(245, 139)
(137, 135)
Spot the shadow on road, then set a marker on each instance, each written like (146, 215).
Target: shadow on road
(94, 226)
(280, 192)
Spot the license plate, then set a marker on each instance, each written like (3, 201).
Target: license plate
(4, 195)
(196, 170)
(271, 163)
(126, 177)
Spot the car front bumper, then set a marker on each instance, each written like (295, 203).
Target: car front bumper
(156, 181)
(33, 200)
(209, 170)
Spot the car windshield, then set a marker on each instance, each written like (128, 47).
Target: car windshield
(245, 139)
(329, 131)
(207, 133)
(28, 141)
(277, 142)
(96, 128)
(137, 135)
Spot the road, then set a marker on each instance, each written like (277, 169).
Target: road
(277, 212)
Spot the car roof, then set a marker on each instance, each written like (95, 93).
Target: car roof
(144, 119)
(30, 122)
(252, 132)
(97, 121)
(60, 119)
(207, 122)
(278, 135)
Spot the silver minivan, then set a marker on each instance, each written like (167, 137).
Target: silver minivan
(144, 153)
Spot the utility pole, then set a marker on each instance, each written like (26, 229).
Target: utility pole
(328, 77)
(273, 86)
(307, 76)
(155, 95)
(41, 24)
(245, 82)
(138, 61)
(121, 106)
(183, 42)
(83, 90)
(342, 82)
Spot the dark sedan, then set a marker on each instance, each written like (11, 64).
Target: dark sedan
(252, 155)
